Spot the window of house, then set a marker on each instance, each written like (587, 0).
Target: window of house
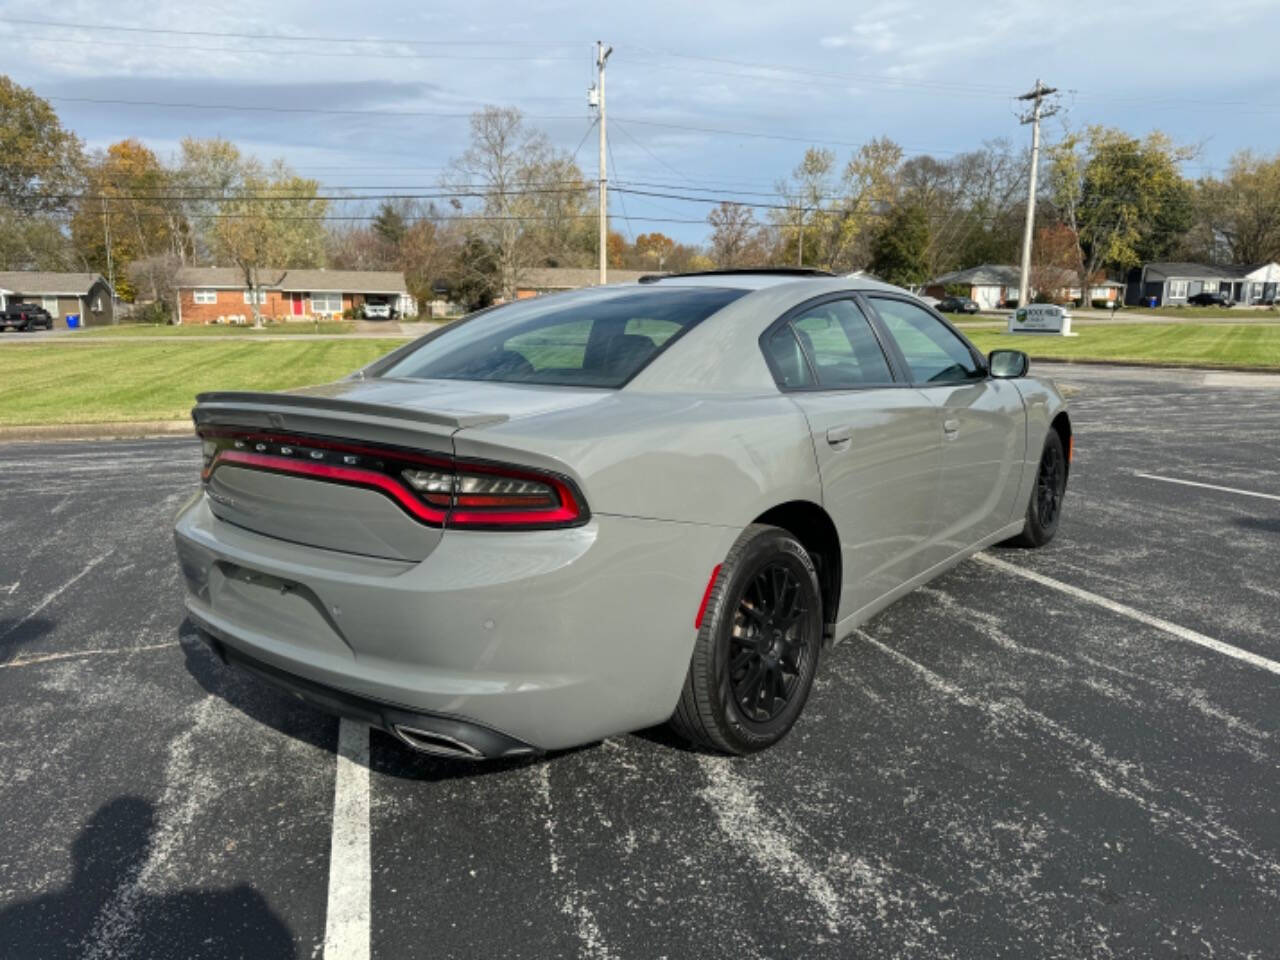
(326, 304)
(1255, 291)
(1209, 286)
(97, 304)
(50, 304)
(262, 297)
(1177, 289)
(204, 296)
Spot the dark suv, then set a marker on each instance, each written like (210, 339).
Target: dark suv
(957, 305)
(25, 316)
(1203, 299)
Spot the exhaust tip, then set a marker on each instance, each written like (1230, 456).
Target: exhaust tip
(439, 744)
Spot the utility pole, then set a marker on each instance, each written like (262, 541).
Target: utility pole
(595, 97)
(1034, 117)
(106, 238)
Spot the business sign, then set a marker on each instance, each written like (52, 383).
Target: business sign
(1041, 318)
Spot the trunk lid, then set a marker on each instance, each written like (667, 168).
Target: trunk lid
(343, 426)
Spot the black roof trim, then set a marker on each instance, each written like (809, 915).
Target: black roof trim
(739, 272)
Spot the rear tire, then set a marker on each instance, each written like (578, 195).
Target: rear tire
(1044, 512)
(757, 650)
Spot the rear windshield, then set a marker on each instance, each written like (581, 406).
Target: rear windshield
(589, 339)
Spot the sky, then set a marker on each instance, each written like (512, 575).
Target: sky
(712, 97)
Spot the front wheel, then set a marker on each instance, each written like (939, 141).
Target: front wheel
(1045, 509)
(757, 649)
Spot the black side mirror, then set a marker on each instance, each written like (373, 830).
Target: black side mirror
(1008, 364)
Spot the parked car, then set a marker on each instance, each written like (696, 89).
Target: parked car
(25, 316)
(1204, 299)
(373, 310)
(957, 305)
(573, 516)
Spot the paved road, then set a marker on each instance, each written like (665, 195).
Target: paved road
(995, 767)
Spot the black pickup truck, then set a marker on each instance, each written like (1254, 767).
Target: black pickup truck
(25, 316)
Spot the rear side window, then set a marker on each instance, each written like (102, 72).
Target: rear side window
(933, 353)
(833, 342)
(591, 339)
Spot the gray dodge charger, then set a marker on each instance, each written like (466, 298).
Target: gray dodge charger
(588, 513)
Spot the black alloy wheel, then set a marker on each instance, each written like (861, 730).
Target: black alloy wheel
(1044, 512)
(767, 650)
(757, 646)
(1051, 483)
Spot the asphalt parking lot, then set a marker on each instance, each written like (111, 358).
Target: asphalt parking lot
(1068, 753)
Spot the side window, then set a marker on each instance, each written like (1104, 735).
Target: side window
(840, 344)
(933, 353)
(789, 364)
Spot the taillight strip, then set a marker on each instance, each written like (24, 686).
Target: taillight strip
(325, 471)
(472, 514)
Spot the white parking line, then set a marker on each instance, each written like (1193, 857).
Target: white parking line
(1208, 486)
(347, 921)
(1182, 633)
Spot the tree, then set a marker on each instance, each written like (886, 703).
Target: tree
(734, 235)
(130, 199)
(390, 225)
(531, 197)
(1119, 196)
(653, 249)
(269, 219)
(157, 273)
(43, 163)
(1242, 209)
(898, 252)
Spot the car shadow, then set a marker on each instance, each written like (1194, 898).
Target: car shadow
(294, 718)
(1260, 524)
(103, 898)
(16, 633)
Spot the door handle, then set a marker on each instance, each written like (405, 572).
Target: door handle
(951, 428)
(839, 436)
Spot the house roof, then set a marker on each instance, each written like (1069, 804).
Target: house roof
(323, 281)
(1002, 275)
(571, 278)
(1193, 271)
(43, 282)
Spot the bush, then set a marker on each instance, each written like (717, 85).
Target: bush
(352, 313)
(156, 312)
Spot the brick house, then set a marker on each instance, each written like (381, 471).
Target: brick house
(86, 295)
(219, 294)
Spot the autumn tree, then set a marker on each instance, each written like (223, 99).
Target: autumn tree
(653, 249)
(132, 200)
(1121, 197)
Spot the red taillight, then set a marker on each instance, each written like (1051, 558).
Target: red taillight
(438, 490)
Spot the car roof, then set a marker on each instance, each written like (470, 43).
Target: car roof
(762, 279)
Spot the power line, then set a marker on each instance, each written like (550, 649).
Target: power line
(277, 51)
(285, 36)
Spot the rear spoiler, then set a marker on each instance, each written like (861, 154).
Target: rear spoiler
(210, 408)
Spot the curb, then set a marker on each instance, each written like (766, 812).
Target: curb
(97, 431)
(1159, 365)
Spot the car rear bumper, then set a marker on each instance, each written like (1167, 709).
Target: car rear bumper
(540, 639)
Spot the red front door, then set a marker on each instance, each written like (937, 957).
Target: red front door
(295, 304)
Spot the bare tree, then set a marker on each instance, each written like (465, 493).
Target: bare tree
(734, 235)
(529, 195)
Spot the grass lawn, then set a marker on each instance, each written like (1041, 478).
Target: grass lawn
(1188, 344)
(216, 330)
(113, 382)
(1206, 313)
